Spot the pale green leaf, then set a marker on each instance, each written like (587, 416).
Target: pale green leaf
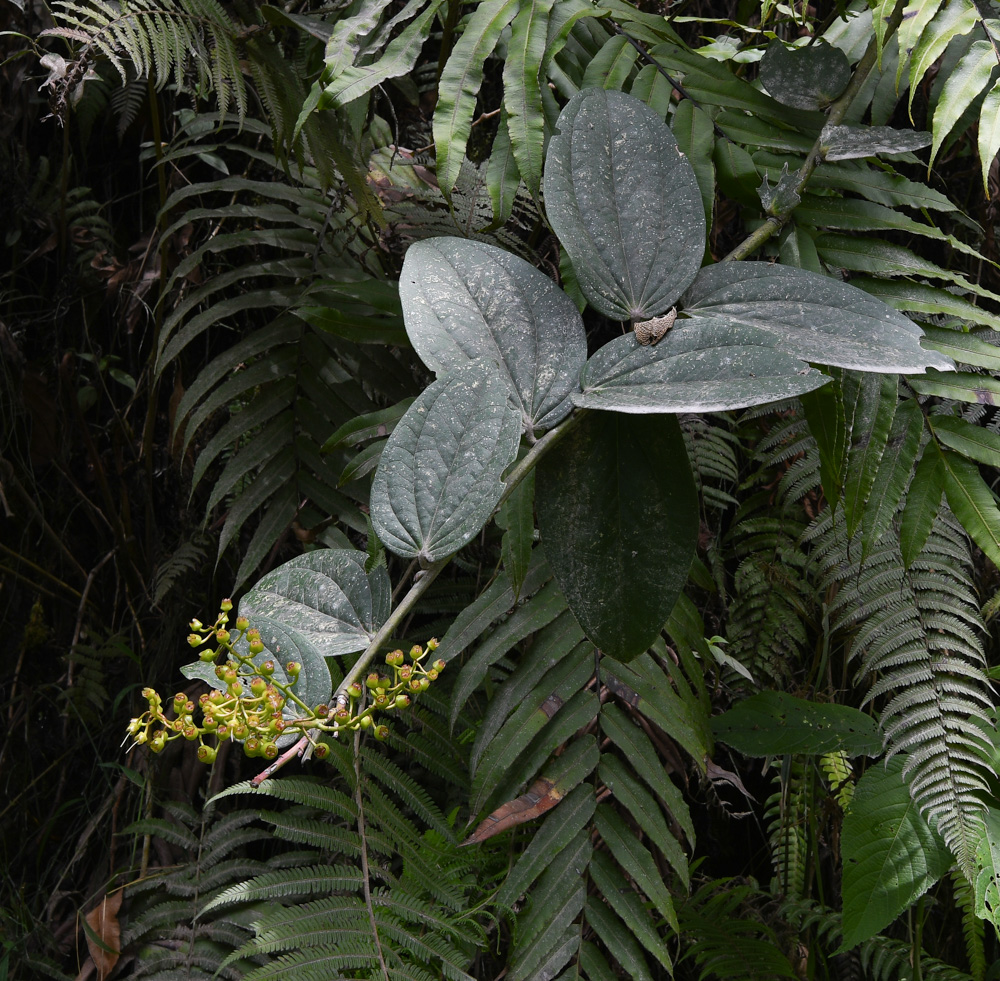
(973, 503)
(923, 500)
(459, 85)
(965, 83)
(439, 477)
(614, 176)
(989, 132)
(975, 442)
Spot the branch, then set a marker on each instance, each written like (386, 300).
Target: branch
(838, 109)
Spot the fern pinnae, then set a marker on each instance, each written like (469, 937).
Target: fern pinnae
(914, 633)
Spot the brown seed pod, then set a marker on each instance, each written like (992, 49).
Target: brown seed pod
(651, 331)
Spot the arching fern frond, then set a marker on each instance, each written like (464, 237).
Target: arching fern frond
(916, 633)
(160, 38)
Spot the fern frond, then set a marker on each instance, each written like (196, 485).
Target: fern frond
(915, 634)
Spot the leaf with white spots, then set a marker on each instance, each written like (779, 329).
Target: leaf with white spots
(439, 477)
(464, 300)
(625, 204)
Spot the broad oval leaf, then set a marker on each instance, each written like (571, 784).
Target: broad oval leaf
(891, 855)
(439, 477)
(314, 606)
(625, 204)
(772, 723)
(699, 366)
(812, 317)
(806, 78)
(464, 300)
(618, 513)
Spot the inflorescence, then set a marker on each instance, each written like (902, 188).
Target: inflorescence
(255, 708)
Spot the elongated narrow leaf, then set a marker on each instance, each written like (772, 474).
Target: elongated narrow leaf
(891, 856)
(602, 491)
(464, 300)
(398, 58)
(557, 830)
(815, 318)
(625, 204)
(893, 473)
(698, 366)
(873, 405)
(626, 903)
(459, 85)
(635, 859)
(971, 499)
(521, 89)
(439, 477)
(692, 128)
(961, 386)
(773, 723)
(989, 132)
(517, 518)
(975, 442)
(853, 142)
(964, 84)
(923, 500)
(925, 298)
(973, 348)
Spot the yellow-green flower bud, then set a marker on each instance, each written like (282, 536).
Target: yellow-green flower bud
(242, 623)
(207, 754)
(194, 640)
(226, 605)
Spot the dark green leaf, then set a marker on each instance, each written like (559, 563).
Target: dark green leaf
(600, 492)
(615, 176)
(773, 723)
(891, 856)
(809, 77)
(517, 518)
(923, 500)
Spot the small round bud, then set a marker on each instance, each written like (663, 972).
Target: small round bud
(179, 699)
(235, 689)
(394, 658)
(323, 710)
(402, 701)
(438, 665)
(222, 636)
(416, 652)
(372, 681)
(321, 751)
(423, 684)
(433, 644)
(252, 746)
(196, 625)
(406, 672)
(381, 733)
(242, 623)
(208, 655)
(226, 605)
(258, 686)
(148, 694)
(194, 640)
(207, 754)
(240, 731)
(270, 751)
(141, 737)
(293, 668)
(230, 674)
(432, 675)
(190, 733)
(354, 690)
(365, 722)
(220, 672)
(415, 684)
(257, 647)
(342, 715)
(267, 669)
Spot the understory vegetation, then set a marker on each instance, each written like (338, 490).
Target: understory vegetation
(590, 408)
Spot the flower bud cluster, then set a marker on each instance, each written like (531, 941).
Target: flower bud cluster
(253, 707)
